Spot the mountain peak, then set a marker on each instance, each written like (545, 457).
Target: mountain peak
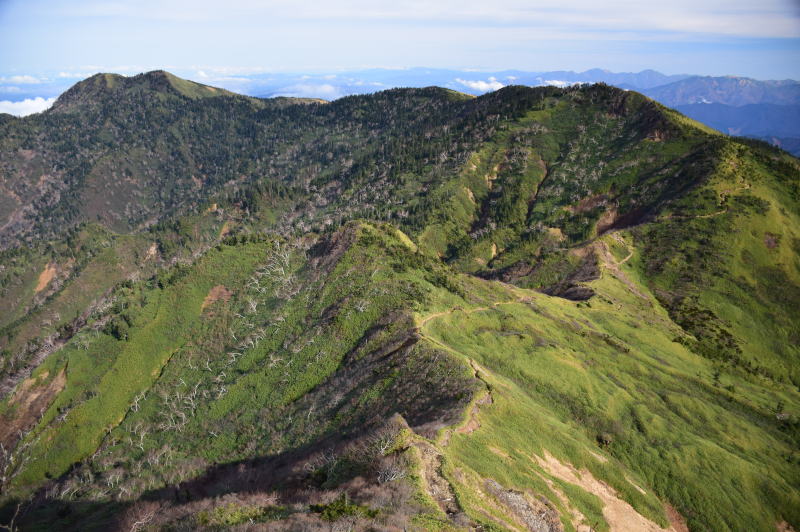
(161, 80)
(100, 86)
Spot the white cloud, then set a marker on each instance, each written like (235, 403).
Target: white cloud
(74, 75)
(25, 79)
(557, 83)
(204, 77)
(26, 107)
(325, 91)
(231, 70)
(483, 86)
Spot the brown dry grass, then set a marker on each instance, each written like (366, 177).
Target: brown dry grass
(215, 294)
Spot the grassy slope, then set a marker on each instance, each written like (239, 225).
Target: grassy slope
(564, 375)
(98, 398)
(676, 419)
(680, 411)
(91, 262)
(301, 329)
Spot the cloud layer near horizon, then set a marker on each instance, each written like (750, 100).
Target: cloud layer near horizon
(26, 107)
(484, 86)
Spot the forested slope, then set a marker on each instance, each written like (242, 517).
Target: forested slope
(540, 309)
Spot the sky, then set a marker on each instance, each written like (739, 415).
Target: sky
(49, 41)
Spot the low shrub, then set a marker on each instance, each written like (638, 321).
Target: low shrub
(342, 507)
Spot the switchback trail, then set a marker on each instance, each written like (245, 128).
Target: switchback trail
(426, 319)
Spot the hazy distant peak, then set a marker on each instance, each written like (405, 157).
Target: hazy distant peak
(729, 90)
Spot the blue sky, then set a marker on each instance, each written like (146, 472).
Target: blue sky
(69, 39)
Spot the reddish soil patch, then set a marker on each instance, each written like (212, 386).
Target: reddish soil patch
(215, 294)
(472, 425)
(589, 203)
(30, 401)
(499, 453)
(45, 277)
(619, 514)
(676, 519)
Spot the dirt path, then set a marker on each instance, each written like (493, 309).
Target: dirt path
(429, 317)
(613, 266)
(435, 315)
(437, 485)
(470, 195)
(621, 240)
(491, 176)
(618, 513)
(723, 199)
(472, 423)
(694, 216)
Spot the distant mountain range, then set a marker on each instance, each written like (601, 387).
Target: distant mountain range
(767, 110)
(728, 90)
(737, 101)
(332, 85)
(470, 82)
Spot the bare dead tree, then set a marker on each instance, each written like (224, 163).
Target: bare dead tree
(11, 526)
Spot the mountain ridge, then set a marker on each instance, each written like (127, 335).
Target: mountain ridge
(128, 94)
(414, 252)
(729, 90)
